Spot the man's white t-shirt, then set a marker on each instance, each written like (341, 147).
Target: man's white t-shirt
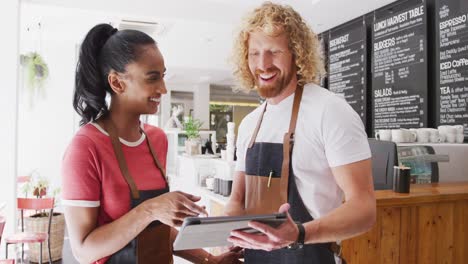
(329, 133)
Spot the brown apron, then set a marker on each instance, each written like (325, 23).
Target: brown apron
(153, 244)
(269, 183)
(272, 185)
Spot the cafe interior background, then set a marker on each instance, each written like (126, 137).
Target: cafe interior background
(400, 64)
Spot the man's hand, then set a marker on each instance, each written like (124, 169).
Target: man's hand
(270, 238)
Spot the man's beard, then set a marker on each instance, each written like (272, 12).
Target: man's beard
(274, 89)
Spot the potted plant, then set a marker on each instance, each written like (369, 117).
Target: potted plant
(39, 187)
(192, 130)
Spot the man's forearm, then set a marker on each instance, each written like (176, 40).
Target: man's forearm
(235, 205)
(354, 217)
(233, 208)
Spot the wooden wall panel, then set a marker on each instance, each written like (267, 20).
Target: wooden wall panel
(460, 225)
(368, 242)
(426, 229)
(409, 233)
(390, 236)
(444, 233)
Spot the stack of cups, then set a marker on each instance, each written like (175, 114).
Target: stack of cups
(230, 140)
(452, 134)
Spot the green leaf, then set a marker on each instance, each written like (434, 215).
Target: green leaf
(192, 127)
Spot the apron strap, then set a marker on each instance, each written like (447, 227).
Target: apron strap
(121, 159)
(257, 128)
(295, 110)
(155, 158)
(288, 141)
(123, 164)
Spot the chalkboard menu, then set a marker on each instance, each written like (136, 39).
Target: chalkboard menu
(323, 39)
(452, 63)
(347, 64)
(399, 69)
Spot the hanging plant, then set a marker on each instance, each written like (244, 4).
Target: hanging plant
(36, 70)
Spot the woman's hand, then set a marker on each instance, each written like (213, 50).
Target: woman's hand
(173, 207)
(231, 256)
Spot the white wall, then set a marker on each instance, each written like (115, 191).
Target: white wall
(9, 15)
(201, 101)
(46, 126)
(47, 122)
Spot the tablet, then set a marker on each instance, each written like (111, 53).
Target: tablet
(202, 232)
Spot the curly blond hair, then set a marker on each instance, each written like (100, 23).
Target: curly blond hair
(274, 19)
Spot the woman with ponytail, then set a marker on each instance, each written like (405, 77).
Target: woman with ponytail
(117, 202)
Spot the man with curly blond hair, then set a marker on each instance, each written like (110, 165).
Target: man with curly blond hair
(302, 152)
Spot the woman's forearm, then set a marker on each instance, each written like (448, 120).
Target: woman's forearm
(195, 255)
(107, 239)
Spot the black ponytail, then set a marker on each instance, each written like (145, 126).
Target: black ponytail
(103, 49)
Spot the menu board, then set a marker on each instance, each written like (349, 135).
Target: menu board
(323, 40)
(399, 69)
(347, 64)
(452, 63)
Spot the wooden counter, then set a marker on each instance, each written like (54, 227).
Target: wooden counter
(428, 225)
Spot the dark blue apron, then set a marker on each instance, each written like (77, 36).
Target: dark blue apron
(268, 186)
(153, 244)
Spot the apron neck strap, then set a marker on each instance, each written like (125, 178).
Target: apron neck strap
(155, 157)
(288, 143)
(295, 111)
(257, 128)
(121, 158)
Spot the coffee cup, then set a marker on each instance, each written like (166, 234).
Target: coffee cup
(459, 129)
(434, 136)
(459, 138)
(451, 137)
(422, 135)
(384, 134)
(410, 136)
(210, 183)
(446, 129)
(403, 135)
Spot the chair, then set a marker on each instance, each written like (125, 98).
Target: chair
(24, 237)
(384, 157)
(2, 225)
(23, 179)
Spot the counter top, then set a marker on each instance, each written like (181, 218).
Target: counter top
(419, 194)
(213, 196)
(424, 193)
